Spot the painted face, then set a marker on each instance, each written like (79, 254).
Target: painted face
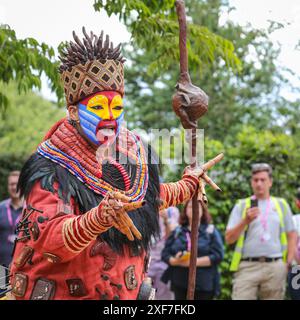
(101, 116)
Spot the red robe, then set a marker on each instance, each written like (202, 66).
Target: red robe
(62, 256)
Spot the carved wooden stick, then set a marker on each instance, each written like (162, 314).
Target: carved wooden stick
(184, 65)
(187, 123)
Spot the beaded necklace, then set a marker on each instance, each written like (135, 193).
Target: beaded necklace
(68, 149)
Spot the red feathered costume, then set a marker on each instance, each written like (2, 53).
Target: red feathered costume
(86, 229)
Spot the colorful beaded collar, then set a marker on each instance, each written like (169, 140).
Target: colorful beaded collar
(71, 151)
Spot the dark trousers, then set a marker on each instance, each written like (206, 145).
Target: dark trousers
(180, 294)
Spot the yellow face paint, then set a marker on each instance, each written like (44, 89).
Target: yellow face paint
(116, 106)
(106, 107)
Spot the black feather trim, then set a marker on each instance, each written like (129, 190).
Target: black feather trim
(145, 219)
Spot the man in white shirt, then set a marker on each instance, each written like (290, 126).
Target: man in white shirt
(263, 228)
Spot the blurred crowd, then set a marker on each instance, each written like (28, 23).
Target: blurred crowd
(262, 230)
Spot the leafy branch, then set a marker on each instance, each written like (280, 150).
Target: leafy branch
(154, 28)
(24, 61)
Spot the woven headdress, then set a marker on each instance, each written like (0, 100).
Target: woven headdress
(91, 66)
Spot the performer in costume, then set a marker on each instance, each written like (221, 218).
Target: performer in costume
(91, 213)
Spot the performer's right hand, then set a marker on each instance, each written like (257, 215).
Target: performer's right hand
(113, 209)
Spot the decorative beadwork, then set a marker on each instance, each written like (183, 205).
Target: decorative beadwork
(59, 150)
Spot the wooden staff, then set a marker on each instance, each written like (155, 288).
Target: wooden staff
(190, 103)
(185, 78)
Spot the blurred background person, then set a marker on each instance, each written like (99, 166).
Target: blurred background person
(265, 234)
(176, 254)
(294, 273)
(168, 221)
(10, 211)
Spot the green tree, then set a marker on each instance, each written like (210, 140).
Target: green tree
(26, 121)
(23, 61)
(154, 29)
(252, 96)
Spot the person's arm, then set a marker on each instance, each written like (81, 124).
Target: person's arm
(216, 251)
(167, 250)
(177, 261)
(169, 256)
(292, 247)
(204, 261)
(174, 193)
(232, 234)
(216, 248)
(63, 234)
(291, 233)
(297, 250)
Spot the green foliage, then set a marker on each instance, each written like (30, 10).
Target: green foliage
(251, 97)
(22, 127)
(26, 121)
(23, 61)
(148, 99)
(154, 29)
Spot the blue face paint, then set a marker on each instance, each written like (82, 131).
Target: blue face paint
(90, 121)
(119, 121)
